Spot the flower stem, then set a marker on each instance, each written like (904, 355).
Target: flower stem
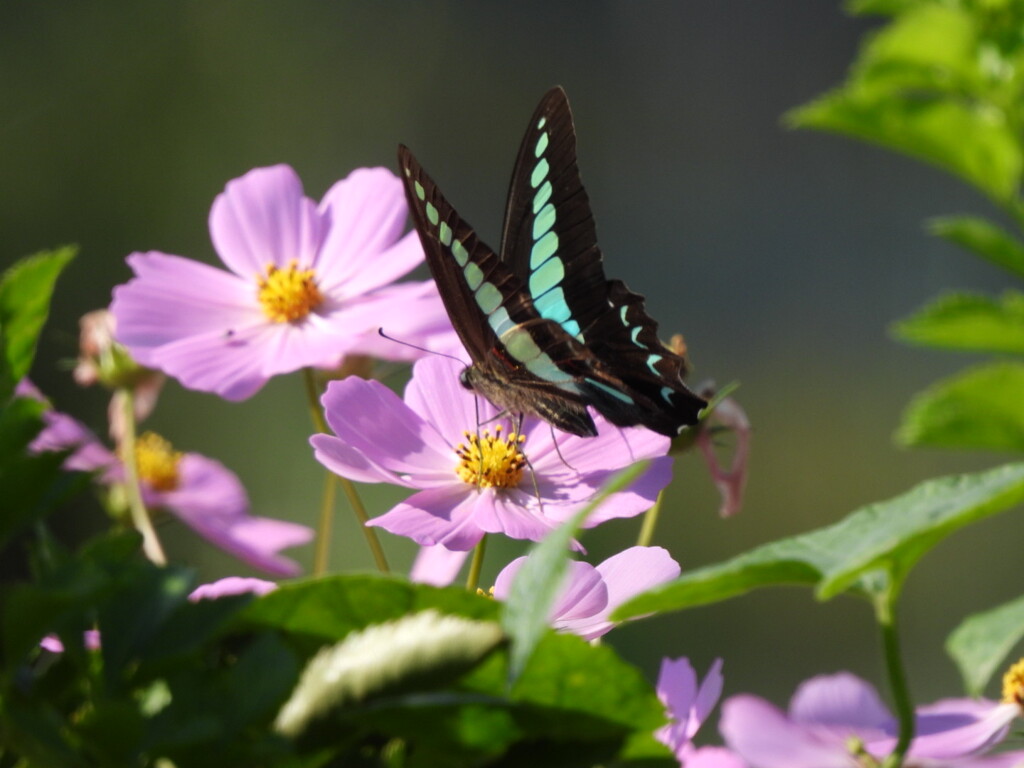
(476, 565)
(140, 515)
(650, 522)
(323, 533)
(885, 612)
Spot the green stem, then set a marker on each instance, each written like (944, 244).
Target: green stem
(885, 611)
(476, 565)
(323, 534)
(140, 515)
(650, 522)
(322, 546)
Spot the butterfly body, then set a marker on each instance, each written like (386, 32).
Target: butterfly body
(547, 332)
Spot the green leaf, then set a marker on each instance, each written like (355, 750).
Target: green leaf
(967, 140)
(981, 407)
(33, 486)
(538, 582)
(25, 291)
(982, 641)
(888, 536)
(984, 239)
(319, 611)
(928, 46)
(968, 322)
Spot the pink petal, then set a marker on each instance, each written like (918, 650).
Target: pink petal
(367, 213)
(434, 392)
(765, 738)
(730, 482)
(171, 298)
(513, 514)
(842, 700)
(231, 585)
(442, 515)
(955, 728)
(372, 420)
(713, 757)
(211, 500)
(263, 218)
(410, 315)
(636, 570)
(437, 566)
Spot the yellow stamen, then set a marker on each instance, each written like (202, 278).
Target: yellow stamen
(488, 594)
(491, 461)
(288, 294)
(158, 462)
(1013, 685)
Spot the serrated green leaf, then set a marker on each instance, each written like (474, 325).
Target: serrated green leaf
(888, 536)
(967, 140)
(537, 584)
(982, 641)
(968, 322)
(25, 291)
(984, 239)
(981, 407)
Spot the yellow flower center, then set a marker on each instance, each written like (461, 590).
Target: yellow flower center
(158, 462)
(1013, 685)
(491, 461)
(288, 294)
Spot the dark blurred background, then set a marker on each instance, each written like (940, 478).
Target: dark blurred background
(781, 255)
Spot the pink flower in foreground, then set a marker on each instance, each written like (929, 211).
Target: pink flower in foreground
(838, 721)
(469, 485)
(202, 492)
(307, 285)
(688, 706)
(590, 593)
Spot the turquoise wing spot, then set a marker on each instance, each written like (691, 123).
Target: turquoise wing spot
(666, 393)
(542, 197)
(547, 277)
(540, 172)
(432, 214)
(622, 315)
(500, 322)
(521, 346)
(420, 192)
(488, 298)
(543, 249)
(545, 220)
(612, 391)
(542, 122)
(460, 253)
(652, 361)
(635, 335)
(445, 233)
(542, 144)
(551, 305)
(474, 275)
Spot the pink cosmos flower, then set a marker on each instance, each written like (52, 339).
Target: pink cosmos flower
(591, 593)
(470, 483)
(307, 285)
(688, 706)
(835, 721)
(202, 492)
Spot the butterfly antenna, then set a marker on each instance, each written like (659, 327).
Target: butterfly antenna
(421, 349)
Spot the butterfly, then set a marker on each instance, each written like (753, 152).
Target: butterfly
(548, 334)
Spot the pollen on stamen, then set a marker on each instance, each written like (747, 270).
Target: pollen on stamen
(491, 461)
(1013, 685)
(288, 294)
(157, 462)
